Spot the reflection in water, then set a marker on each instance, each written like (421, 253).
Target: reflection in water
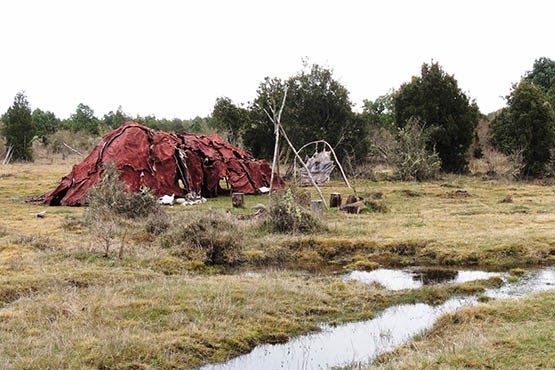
(412, 279)
(361, 342)
(429, 277)
(533, 282)
(356, 342)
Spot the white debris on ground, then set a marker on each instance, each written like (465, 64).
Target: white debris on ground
(193, 202)
(188, 200)
(166, 200)
(259, 206)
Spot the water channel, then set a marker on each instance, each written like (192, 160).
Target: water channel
(360, 342)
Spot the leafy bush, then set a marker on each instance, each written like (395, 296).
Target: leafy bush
(286, 215)
(409, 156)
(510, 167)
(213, 238)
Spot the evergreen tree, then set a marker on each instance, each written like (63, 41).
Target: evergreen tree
(435, 99)
(527, 124)
(380, 112)
(84, 120)
(114, 120)
(543, 76)
(18, 128)
(228, 118)
(317, 108)
(45, 123)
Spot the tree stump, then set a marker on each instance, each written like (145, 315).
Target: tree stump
(335, 200)
(238, 200)
(354, 208)
(317, 207)
(351, 199)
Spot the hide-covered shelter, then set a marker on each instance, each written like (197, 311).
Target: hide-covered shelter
(320, 166)
(181, 164)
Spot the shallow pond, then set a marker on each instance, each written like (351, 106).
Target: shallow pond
(415, 278)
(361, 342)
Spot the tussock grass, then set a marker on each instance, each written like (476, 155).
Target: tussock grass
(213, 238)
(63, 305)
(505, 334)
(91, 321)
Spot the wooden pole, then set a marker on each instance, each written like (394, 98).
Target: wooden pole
(276, 119)
(72, 149)
(305, 167)
(8, 157)
(275, 158)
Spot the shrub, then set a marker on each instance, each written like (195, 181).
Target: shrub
(409, 156)
(157, 223)
(381, 143)
(111, 208)
(435, 99)
(79, 140)
(527, 124)
(110, 196)
(506, 166)
(102, 226)
(213, 238)
(286, 215)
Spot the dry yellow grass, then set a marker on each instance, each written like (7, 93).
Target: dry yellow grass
(63, 305)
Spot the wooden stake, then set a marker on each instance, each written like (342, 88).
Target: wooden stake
(316, 206)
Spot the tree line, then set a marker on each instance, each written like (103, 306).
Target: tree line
(318, 107)
(20, 125)
(430, 105)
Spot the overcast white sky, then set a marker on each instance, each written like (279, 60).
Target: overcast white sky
(174, 58)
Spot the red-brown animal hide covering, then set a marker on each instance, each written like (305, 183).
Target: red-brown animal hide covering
(158, 160)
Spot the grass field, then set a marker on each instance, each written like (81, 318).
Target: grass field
(63, 305)
(506, 334)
